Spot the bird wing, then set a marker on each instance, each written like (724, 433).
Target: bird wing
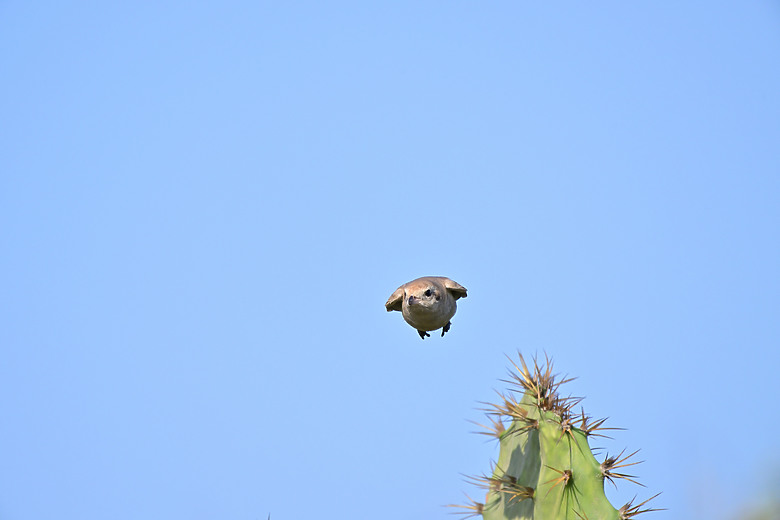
(454, 288)
(395, 301)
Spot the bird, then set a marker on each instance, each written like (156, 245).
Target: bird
(427, 303)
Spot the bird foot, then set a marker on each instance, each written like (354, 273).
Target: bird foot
(423, 334)
(446, 328)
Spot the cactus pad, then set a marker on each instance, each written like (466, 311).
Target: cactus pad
(545, 468)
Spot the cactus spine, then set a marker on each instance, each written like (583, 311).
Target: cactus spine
(545, 468)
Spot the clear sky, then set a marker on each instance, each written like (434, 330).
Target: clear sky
(205, 205)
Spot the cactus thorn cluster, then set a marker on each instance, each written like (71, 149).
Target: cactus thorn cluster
(546, 469)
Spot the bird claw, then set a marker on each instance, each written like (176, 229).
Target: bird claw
(423, 334)
(446, 328)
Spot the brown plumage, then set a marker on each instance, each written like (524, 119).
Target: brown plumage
(427, 303)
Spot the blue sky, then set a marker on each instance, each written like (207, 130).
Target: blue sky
(204, 207)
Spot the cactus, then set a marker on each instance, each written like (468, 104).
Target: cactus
(545, 468)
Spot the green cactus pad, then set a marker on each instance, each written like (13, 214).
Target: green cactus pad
(545, 468)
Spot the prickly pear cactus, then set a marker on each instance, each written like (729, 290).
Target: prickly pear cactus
(545, 468)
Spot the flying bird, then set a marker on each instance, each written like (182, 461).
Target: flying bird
(427, 303)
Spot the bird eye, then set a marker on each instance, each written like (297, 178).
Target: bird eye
(428, 293)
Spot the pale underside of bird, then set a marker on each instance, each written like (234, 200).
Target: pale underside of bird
(427, 303)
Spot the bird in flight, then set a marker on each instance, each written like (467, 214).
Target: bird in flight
(427, 303)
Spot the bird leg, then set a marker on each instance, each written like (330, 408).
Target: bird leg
(446, 328)
(422, 334)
